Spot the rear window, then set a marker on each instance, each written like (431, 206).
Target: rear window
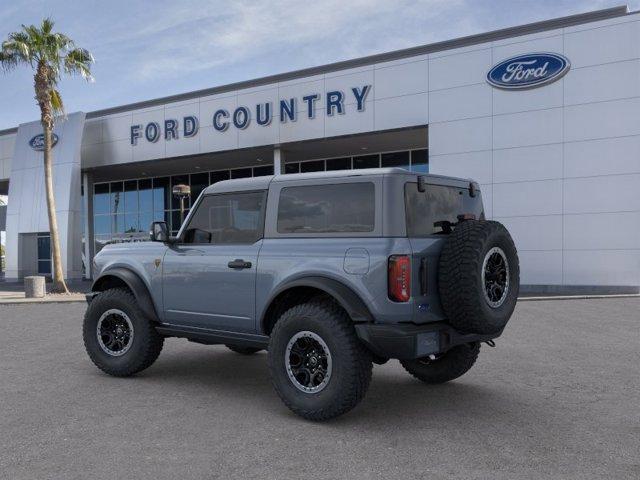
(339, 208)
(437, 203)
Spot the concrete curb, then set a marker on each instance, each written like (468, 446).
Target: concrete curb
(577, 297)
(73, 298)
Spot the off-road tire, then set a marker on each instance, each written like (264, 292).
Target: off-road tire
(351, 371)
(243, 350)
(146, 344)
(460, 284)
(452, 364)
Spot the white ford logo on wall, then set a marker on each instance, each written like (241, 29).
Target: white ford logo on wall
(528, 71)
(37, 142)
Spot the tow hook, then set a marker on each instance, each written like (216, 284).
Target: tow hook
(491, 343)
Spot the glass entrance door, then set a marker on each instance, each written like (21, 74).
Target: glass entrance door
(44, 253)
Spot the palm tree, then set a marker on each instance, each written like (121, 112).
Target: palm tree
(49, 54)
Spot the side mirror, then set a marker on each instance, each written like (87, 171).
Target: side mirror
(159, 232)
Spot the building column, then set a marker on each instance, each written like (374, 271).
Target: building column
(278, 161)
(87, 205)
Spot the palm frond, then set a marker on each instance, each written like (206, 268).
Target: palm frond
(78, 61)
(56, 102)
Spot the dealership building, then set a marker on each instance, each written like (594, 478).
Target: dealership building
(544, 116)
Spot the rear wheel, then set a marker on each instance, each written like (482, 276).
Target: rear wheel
(444, 367)
(243, 350)
(318, 366)
(118, 338)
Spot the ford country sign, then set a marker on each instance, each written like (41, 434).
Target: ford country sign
(528, 71)
(37, 142)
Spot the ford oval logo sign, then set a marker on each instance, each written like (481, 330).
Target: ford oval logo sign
(37, 142)
(528, 71)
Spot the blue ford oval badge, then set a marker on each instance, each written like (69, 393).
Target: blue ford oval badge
(528, 71)
(37, 142)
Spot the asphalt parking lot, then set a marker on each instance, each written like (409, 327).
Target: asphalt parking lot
(558, 398)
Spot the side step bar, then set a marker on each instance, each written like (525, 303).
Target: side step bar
(213, 337)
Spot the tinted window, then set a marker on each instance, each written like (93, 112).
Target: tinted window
(346, 207)
(229, 218)
(437, 203)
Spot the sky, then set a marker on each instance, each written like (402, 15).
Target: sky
(148, 49)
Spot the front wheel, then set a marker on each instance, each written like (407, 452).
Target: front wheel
(118, 337)
(318, 366)
(444, 367)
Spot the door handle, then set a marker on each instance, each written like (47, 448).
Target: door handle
(239, 264)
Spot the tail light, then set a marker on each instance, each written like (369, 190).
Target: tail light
(399, 278)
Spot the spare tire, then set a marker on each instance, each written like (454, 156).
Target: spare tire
(479, 277)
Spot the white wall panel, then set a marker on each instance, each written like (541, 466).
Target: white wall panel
(345, 83)
(602, 267)
(598, 83)
(509, 101)
(301, 89)
(116, 127)
(402, 79)
(487, 199)
(212, 140)
(613, 193)
(529, 128)
(474, 165)
(540, 162)
(547, 228)
(210, 105)
(302, 129)
(601, 120)
(92, 132)
(540, 267)
(459, 103)
(603, 45)
(527, 198)
(550, 41)
(460, 136)
(350, 122)
(459, 69)
(398, 112)
(602, 231)
(602, 157)
(116, 152)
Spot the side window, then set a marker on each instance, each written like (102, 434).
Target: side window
(338, 208)
(227, 218)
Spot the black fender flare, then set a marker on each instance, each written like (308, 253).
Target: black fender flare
(344, 295)
(135, 284)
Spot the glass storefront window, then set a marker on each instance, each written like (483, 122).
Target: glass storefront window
(313, 166)
(366, 161)
(218, 176)
(420, 161)
(102, 224)
(101, 198)
(116, 197)
(292, 168)
(395, 159)
(131, 196)
(339, 164)
(199, 181)
(145, 195)
(241, 173)
(161, 194)
(263, 171)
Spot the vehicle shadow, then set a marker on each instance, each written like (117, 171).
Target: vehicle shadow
(394, 397)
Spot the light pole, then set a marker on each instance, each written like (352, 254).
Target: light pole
(181, 192)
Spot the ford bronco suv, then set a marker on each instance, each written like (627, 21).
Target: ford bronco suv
(329, 272)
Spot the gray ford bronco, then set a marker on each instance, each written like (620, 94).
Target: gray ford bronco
(329, 272)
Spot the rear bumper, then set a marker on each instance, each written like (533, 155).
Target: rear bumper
(407, 341)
